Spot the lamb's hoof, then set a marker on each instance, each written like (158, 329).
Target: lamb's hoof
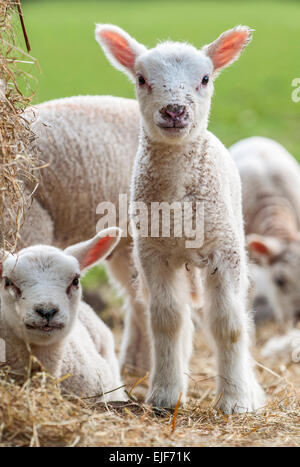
(164, 397)
(244, 401)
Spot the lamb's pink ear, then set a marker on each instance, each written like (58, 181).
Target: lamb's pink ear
(119, 47)
(94, 250)
(263, 248)
(228, 47)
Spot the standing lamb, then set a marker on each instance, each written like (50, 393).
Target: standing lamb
(42, 314)
(178, 160)
(271, 205)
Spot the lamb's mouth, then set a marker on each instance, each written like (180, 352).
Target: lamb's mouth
(174, 127)
(48, 328)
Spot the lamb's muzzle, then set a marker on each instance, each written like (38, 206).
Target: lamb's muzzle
(174, 117)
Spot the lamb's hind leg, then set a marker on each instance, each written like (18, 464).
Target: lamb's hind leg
(172, 329)
(135, 348)
(238, 390)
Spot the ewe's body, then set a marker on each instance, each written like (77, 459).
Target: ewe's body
(271, 205)
(42, 314)
(178, 160)
(90, 143)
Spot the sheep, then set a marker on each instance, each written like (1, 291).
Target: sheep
(271, 204)
(42, 315)
(178, 160)
(89, 144)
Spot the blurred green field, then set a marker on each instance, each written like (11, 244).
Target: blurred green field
(252, 97)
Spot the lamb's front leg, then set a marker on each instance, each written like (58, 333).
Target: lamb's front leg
(171, 328)
(238, 390)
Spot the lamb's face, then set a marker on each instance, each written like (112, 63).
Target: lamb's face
(285, 274)
(40, 291)
(279, 274)
(173, 80)
(174, 87)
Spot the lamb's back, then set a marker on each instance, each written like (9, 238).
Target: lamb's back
(90, 144)
(267, 171)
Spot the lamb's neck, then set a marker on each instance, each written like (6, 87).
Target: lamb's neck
(179, 155)
(154, 148)
(275, 217)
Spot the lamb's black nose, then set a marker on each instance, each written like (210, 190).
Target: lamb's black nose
(46, 313)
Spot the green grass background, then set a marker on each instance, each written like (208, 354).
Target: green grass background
(252, 97)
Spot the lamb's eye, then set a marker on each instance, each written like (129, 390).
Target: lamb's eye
(75, 281)
(12, 287)
(205, 80)
(280, 282)
(7, 282)
(141, 80)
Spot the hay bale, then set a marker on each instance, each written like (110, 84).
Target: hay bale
(16, 158)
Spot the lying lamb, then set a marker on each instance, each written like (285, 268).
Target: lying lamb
(271, 205)
(42, 314)
(179, 160)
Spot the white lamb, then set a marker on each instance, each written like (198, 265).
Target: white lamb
(271, 206)
(179, 160)
(42, 314)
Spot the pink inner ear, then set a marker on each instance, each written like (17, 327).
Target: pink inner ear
(119, 48)
(1, 269)
(231, 45)
(258, 247)
(96, 252)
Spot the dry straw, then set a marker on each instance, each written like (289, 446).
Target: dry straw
(36, 414)
(16, 159)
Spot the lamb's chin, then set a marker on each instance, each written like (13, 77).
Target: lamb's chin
(172, 134)
(44, 329)
(43, 335)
